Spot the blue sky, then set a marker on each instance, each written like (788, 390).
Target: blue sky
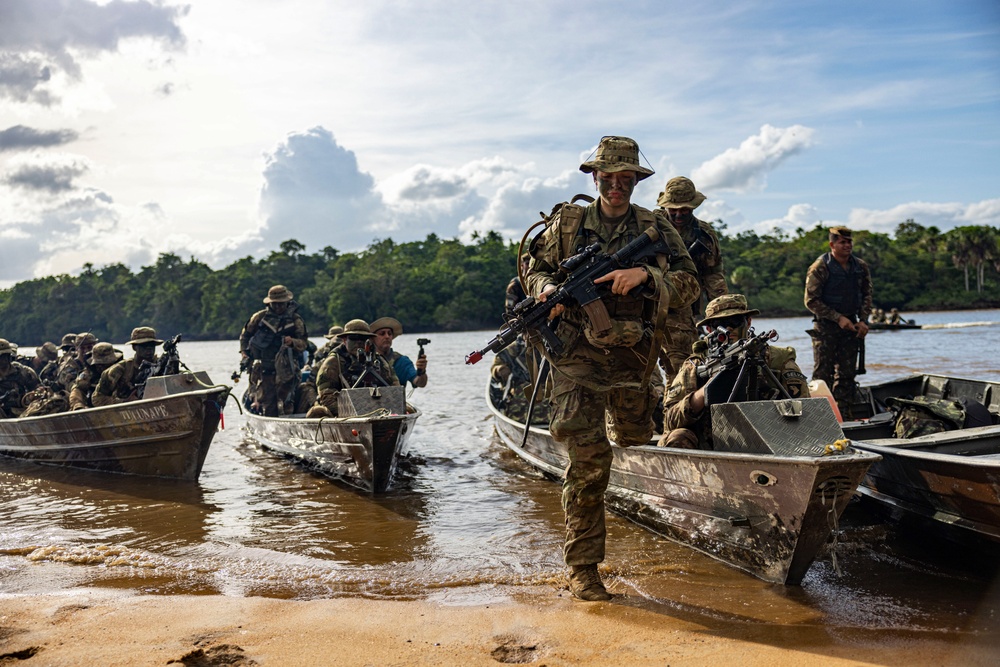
(219, 129)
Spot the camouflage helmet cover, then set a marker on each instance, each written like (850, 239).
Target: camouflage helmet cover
(617, 154)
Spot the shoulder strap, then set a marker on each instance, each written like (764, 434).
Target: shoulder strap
(570, 219)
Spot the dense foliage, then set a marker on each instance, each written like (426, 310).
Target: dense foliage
(445, 285)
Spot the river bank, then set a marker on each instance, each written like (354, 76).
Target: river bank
(538, 626)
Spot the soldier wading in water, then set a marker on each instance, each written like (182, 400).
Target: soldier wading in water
(606, 370)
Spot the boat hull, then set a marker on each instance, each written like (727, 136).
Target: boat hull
(361, 451)
(766, 514)
(166, 435)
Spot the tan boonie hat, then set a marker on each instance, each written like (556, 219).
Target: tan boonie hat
(617, 154)
(278, 294)
(680, 193)
(388, 323)
(85, 339)
(726, 305)
(142, 335)
(68, 342)
(6, 347)
(357, 328)
(105, 353)
(841, 231)
(47, 350)
(334, 331)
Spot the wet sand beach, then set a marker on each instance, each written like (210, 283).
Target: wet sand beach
(263, 561)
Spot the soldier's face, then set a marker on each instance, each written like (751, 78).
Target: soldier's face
(145, 351)
(615, 188)
(841, 248)
(279, 307)
(5, 362)
(355, 343)
(383, 340)
(680, 217)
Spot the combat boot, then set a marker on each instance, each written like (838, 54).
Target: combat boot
(585, 583)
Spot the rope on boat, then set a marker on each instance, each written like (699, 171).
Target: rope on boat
(377, 412)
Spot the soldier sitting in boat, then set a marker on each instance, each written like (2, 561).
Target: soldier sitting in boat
(126, 380)
(878, 316)
(277, 331)
(894, 317)
(101, 358)
(44, 353)
(16, 380)
(355, 362)
(687, 423)
(73, 365)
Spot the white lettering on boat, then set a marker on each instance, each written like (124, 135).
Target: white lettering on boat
(145, 414)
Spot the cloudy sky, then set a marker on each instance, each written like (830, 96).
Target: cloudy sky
(219, 128)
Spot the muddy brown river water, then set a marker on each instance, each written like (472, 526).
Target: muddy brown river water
(468, 522)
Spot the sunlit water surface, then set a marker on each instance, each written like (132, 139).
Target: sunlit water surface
(468, 522)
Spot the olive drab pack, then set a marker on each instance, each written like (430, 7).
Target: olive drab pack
(923, 416)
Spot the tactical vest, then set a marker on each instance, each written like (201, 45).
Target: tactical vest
(267, 340)
(843, 289)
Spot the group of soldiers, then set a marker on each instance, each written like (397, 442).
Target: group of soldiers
(604, 380)
(275, 349)
(81, 373)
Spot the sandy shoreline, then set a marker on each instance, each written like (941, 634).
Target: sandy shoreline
(539, 626)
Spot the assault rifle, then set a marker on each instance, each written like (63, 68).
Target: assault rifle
(581, 271)
(732, 371)
(167, 364)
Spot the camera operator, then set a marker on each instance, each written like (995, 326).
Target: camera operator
(386, 329)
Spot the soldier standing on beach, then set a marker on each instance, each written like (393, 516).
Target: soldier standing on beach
(839, 295)
(605, 370)
(677, 202)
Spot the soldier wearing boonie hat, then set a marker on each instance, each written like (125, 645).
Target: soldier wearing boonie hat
(386, 330)
(839, 295)
(100, 359)
(16, 380)
(265, 335)
(120, 382)
(677, 203)
(604, 364)
(74, 363)
(686, 421)
(347, 363)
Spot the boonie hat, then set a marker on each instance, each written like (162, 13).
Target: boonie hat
(840, 231)
(68, 342)
(278, 294)
(334, 331)
(47, 350)
(6, 347)
(105, 353)
(388, 323)
(85, 339)
(617, 154)
(357, 328)
(142, 335)
(725, 306)
(680, 193)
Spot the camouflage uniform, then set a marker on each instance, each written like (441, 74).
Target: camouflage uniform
(679, 414)
(81, 393)
(72, 366)
(120, 383)
(599, 373)
(512, 385)
(16, 381)
(831, 292)
(342, 369)
(702, 244)
(262, 339)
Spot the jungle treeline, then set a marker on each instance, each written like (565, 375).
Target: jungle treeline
(447, 285)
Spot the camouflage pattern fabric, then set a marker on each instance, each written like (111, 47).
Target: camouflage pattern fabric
(69, 369)
(324, 352)
(514, 294)
(678, 412)
(835, 351)
(341, 370)
(923, 416)
(45, 401)
(589, 380)
(117, 384)
(512, 385)
(289, 323)
(15, 383)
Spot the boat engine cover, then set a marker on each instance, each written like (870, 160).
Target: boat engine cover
(796, 427)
